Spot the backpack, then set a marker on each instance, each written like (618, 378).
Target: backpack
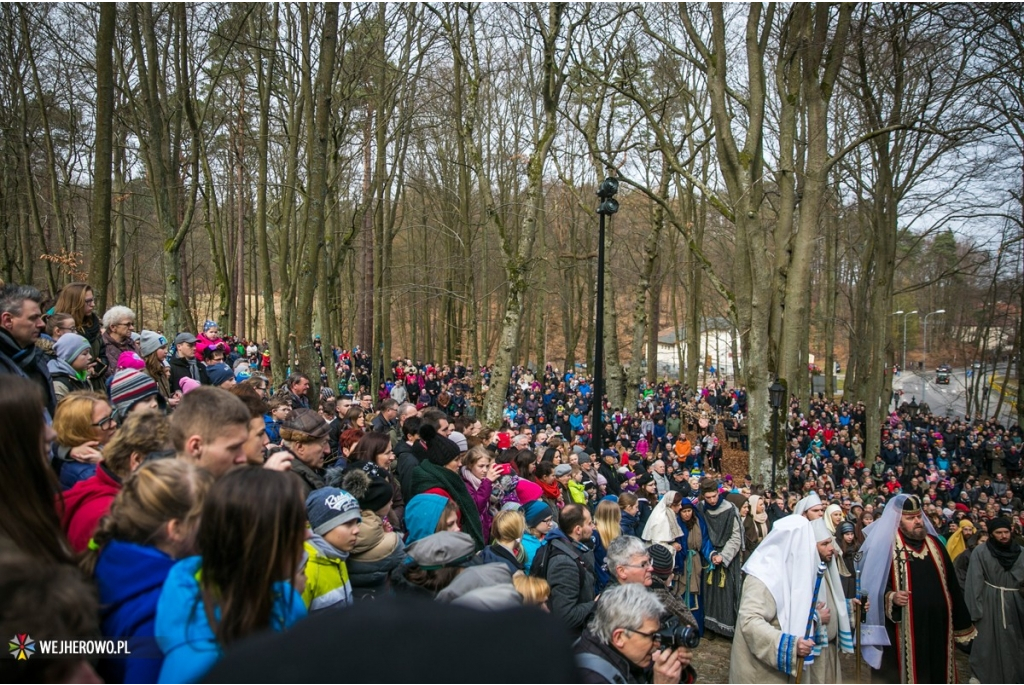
(592, 662)
(542, 561)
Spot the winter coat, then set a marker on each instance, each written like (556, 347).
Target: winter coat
(376, 554)
(113, 349)
(327, 581)
(496, 554)
(28, 363)
(630, 524)
(85, 504)
(571, 599)
(312, 479)
(422, 515)
(182, 368)
(482, 499)
(530, 546)
(65, 379)
(407, 458)
(129, 578)
(430, 476)
(273, 429)
(184, 633)
(577, 493)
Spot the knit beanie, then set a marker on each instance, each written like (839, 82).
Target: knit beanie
(328, 508)
(993, 525)
(130, 359)
(562, 470)
(373, 493)
(527, 491)
(187, 385)
(536, 512)
(440, 450)
(151, 342)
(219, 373)
(662, 560)
(69, 346)
(128, 388)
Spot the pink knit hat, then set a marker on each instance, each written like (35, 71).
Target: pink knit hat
(131, 360)
(527, 491)
(188, 385)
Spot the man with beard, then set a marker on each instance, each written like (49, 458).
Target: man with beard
(993, 597)
(725, 532)
(917, 606)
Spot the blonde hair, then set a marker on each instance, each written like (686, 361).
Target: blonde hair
(142, 433)
(534, 589)
(508, 526)
(73, 419)
(470, 458)
(608, 519)
(159, 492)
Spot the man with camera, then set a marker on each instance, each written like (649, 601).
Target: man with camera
(626, 641)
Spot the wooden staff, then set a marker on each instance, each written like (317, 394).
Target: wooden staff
(810, 617)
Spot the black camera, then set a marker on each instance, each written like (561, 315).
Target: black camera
(671, 633)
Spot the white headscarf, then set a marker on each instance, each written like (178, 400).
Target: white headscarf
(835, 585)
(790, 546)
(662, 526)
(876, 556)
(812, 500)
(828, 516)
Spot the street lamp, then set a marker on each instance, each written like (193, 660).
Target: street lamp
(776, 395)
(609, 205)
(924, 355)
(904, 366)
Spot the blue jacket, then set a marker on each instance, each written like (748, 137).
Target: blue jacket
(129, 578)
(530, 545)
(629, 524)
(184, 634)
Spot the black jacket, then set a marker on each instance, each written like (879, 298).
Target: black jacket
(180, 369)
(28, 363)
(407, 458)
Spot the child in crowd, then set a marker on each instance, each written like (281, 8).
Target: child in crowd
(334, 516)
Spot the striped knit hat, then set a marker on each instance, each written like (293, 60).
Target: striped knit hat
(130, 387)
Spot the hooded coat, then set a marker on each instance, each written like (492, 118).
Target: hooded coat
(85, 504)
(129, 578)
(327, 581)
(184, 634)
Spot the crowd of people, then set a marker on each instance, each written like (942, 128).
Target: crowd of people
(158, 489)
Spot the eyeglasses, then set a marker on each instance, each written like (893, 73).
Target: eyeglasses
(127, 324)
(650, 636)
(644, 564)
(106, 424)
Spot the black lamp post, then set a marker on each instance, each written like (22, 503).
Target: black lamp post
(609, 205)
(913, 407)
(776, 396)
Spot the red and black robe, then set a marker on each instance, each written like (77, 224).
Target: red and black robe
(923, 633)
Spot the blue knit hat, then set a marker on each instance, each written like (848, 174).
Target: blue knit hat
(219, 373)
(69, 346)
(536, 512)
(328, 508)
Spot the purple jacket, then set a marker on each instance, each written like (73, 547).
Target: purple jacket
(482, 499)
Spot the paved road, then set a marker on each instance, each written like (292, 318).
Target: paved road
(948, 400)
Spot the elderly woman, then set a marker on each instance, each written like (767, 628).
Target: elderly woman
(118, 325)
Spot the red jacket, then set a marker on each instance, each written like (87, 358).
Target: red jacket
(85, 504)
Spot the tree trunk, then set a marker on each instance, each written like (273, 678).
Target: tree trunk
(99, 234)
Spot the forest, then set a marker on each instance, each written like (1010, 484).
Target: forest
(419, 180)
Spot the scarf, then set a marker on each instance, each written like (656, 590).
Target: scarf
(468, 476)
(429, 475)
(1006, 555)
(90, 329)
(761, 518)
(552, 491)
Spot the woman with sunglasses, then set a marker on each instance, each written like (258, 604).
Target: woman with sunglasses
(143, 437)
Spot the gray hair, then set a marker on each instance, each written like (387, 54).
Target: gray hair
(116, 314)
(404, 408)
(624, 606)
(621, 550)
(13, 296)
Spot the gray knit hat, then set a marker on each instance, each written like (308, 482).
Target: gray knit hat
(69, 346)
(151, 342)
(328, 508)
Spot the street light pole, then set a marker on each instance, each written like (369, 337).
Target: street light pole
(924, 355)
(609, 205)
(902, 368)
